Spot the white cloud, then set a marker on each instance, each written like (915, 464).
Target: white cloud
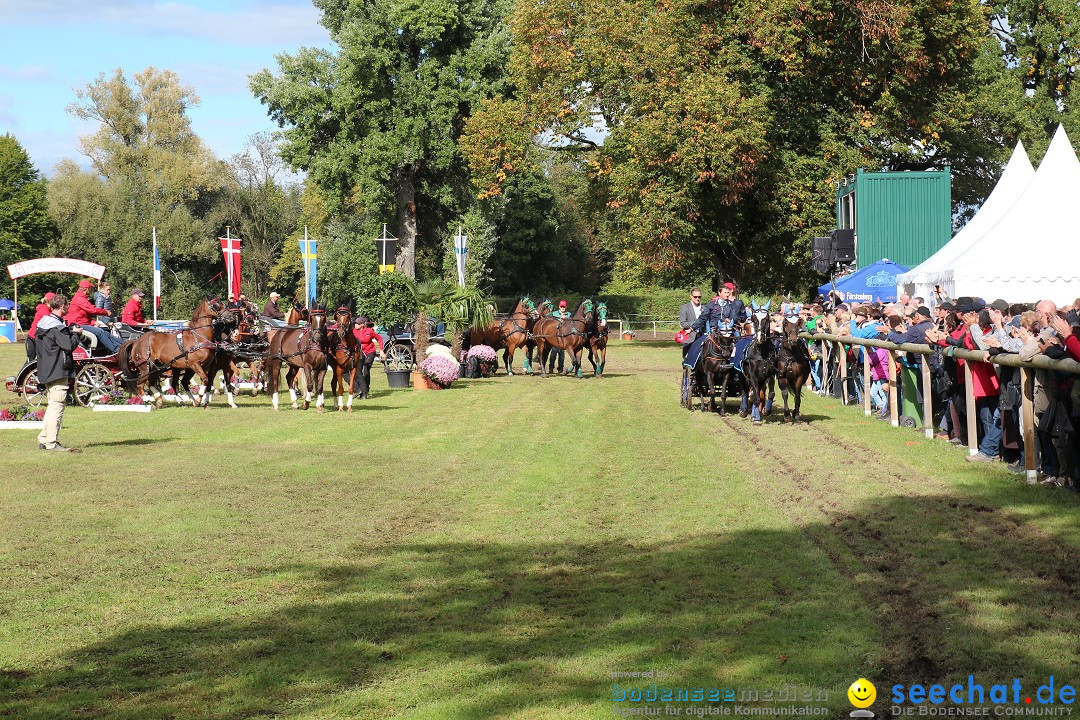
(252, 23)
(34, 73)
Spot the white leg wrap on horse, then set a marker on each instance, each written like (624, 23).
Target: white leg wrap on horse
(341, 401)
(320, 402)
(230, 396)
(275, 401)
(350, 400)
(292, 395)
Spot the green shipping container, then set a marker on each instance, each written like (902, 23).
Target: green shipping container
(903, 216)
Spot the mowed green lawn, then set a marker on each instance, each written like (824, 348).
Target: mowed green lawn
(502, 548)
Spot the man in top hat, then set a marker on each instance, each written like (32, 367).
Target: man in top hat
(271, 309)
(133, 312)
(82, 313)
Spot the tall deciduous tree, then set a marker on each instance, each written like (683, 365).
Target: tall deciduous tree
(25, 227)
(149, 169)
(727, 123)
(376, 123)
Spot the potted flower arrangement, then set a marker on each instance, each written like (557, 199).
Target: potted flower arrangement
(481, 361)
(439, 371)
(118, 401)
(22, 417)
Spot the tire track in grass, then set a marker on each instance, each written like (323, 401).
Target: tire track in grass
(860, 553)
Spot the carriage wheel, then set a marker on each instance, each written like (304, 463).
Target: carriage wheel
(399, 357)
(93, 381)
(686, 398)
(32, 394)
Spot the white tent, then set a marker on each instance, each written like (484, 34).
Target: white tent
(1033, 251)
(920, 280)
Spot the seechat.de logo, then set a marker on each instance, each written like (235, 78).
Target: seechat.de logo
(862, 694)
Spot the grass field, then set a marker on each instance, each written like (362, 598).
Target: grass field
(502, 548)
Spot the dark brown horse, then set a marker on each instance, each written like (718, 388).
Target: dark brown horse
(146, 358)
(715, 367)
(759, 365)
(792, 365)
(568, 334)
(304, 349)
(508, 334)
(344, 348)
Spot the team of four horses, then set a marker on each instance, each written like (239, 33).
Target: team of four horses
(218, 338)
(754, 356)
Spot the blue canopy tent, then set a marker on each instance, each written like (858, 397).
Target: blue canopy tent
(7, 304)
(875, 282)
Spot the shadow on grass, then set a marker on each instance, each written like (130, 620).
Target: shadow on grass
(131, 441)
(908, 589)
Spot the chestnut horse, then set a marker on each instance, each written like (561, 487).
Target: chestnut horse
(344, 348)
(596, 333)
(146, 358)
(568, 334)
(792, 365)
(304, 348)
(508, 334)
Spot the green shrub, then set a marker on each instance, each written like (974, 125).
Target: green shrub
(387, 299)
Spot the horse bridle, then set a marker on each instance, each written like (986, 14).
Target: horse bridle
(524, 302)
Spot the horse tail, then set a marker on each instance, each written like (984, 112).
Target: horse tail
(123, 356)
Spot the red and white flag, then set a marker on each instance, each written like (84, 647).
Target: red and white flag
(230, 248)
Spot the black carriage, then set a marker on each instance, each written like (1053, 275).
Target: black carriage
(398, 343)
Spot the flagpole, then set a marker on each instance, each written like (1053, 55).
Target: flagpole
(157, 281)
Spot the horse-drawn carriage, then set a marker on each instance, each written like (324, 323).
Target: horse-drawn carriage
(398, 343)
(97, 373)
(755, 361)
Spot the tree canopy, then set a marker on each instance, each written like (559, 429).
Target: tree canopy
(376, 124)
(25, 227)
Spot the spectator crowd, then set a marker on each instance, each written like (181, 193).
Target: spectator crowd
(969, 323)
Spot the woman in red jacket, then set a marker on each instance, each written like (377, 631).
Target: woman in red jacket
(31, 337)
(364, 332)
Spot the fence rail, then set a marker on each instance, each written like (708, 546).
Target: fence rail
(839, 343)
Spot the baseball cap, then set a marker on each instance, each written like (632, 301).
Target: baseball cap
(138, 292)
(85, 283)
(1000, 304)
(967, 305)
(274, 295)
(50, 295)
(729, 285)
(922, 310)
(562, 303)
(947, 306)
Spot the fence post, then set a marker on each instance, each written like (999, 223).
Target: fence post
(969, 397)
(894, 412)
(842, 362)
(927, 400)
(653, 329)
(867, 382)
(1027, 418)
(824, 389)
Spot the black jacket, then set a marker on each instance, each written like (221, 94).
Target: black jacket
(55, 343)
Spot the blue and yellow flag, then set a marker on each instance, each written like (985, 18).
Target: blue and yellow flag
(309, 258)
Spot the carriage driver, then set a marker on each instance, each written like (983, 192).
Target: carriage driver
(81, 313)
(720, 309)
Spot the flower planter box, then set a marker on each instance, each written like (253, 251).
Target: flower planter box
(22, 424)
(397, 379)
(420, 382)
(123, 408)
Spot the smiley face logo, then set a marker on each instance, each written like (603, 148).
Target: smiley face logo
(862, 693)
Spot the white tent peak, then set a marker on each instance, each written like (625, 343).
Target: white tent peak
(1033, 251)
(1016, 176)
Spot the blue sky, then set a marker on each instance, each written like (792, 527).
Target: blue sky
(50, 48)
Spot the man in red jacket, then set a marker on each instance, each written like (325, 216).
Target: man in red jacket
(133, 314)
(82, 313)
